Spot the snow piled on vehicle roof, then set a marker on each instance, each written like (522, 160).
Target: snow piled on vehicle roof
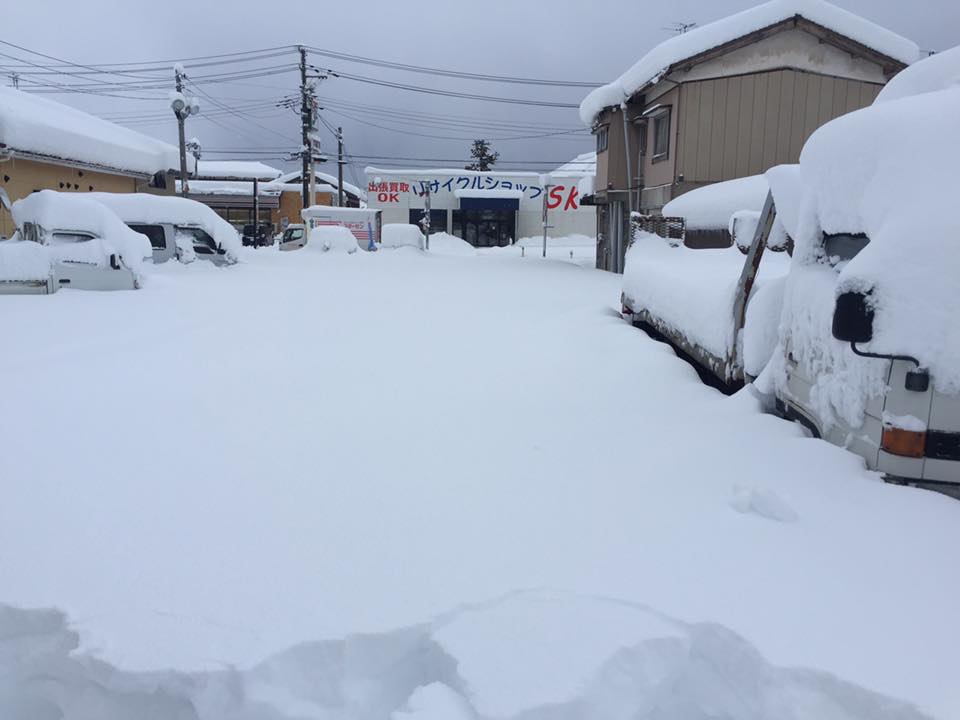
(712, 206)
(66, 212)
(903, 196)
(938, 72)
(144, 208)
(707, 37)
(39, 126)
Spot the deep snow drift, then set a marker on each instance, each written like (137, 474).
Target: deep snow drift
(531, 654)
(309, 480)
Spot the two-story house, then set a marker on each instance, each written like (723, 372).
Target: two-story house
(728, 100)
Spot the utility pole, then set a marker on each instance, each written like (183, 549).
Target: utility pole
(182, 109)
(340, 166)
(306, 123)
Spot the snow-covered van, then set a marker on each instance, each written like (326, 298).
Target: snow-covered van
(85, 246)
(177, 227)
(857, 336)
(868, 353)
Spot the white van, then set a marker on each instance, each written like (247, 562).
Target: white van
(176, 227)
(869, 349)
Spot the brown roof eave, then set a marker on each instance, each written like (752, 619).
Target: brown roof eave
(891, 66)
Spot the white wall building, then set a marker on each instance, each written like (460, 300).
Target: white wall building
(485, 208)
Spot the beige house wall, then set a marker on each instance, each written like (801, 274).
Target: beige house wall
(19, 177)
(731, 127)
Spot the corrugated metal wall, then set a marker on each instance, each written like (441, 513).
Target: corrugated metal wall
(737, 126)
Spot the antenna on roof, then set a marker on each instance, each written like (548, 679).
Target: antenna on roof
(15, 79)
(680, 27)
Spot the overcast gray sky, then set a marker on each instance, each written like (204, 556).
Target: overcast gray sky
(563, 40)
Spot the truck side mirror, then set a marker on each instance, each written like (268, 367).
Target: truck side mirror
(114, 262)
(853, 318)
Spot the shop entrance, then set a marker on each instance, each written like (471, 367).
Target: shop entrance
(487, 228)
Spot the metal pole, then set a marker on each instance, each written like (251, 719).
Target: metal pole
(256, 210)
(340, 166)
(184, 180)
(305, 122)
(546, 193)
(426, 217)
(626, 145)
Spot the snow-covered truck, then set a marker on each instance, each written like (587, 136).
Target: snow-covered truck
(858, 339)
(83, 245)
(696, 298)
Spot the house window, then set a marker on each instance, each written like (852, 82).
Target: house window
(602, 139)
(661, 136)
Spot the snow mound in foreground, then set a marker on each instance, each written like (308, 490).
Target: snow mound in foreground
(333, 238)
(534, 655)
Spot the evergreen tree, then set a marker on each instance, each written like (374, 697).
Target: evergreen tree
(483, 156)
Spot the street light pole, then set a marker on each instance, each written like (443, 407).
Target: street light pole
(182, 109)
(340, 166)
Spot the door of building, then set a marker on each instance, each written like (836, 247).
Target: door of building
(488, 228)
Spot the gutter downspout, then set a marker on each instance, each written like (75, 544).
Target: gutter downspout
(629, 224)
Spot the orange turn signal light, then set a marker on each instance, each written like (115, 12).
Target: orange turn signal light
(905, 443)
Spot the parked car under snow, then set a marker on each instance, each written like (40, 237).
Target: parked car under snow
(85, 246)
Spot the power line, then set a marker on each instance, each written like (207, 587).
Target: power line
(421, 69)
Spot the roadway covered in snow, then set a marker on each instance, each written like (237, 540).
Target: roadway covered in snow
(410, 486)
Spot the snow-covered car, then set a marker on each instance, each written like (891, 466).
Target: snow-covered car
(293, 238)
(696, 298)
(176, 227)
(868, 354)
(89, 248)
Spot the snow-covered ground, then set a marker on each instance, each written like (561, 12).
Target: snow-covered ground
(396, 485)
(578, 249)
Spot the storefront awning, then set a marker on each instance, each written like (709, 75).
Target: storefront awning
(489, 199)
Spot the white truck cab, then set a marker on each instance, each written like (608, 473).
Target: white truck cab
(293, 238)
(85, 245)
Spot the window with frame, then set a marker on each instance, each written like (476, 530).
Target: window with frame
(603, 138)
(661, 136)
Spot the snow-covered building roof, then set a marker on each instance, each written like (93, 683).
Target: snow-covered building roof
(236, 170)
(711, 207)
(294, 177)
(229, 187)
(582, 165)
(46, 130)
(709, 37)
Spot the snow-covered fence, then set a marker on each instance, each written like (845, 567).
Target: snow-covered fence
(671, 228)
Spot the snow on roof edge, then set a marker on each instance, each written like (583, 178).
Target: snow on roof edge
(712, 35)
